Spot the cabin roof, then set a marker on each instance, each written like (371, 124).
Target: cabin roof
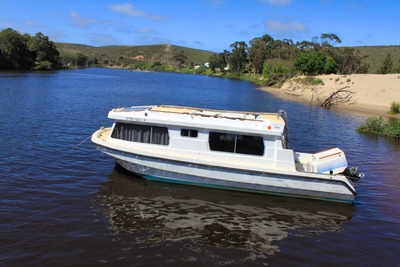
(199, 117)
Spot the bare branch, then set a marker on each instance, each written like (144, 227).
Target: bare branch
(340, 96)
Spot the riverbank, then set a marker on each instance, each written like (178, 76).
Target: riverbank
(372, 93)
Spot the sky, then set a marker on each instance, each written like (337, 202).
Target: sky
(211, 25)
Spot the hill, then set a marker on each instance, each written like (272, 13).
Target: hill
(135, 56)
(144, 57)
(374, 56)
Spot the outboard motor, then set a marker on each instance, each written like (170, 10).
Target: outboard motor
(353, 174)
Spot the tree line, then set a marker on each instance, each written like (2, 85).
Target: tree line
(27, 52)
(265, 55)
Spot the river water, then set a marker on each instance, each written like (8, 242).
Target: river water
(64, 204)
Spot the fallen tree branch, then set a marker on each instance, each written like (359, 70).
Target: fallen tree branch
(340, 96)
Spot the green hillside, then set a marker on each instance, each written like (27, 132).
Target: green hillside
(135, 56)
(374, 56)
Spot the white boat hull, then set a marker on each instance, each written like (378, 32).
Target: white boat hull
(283, 183)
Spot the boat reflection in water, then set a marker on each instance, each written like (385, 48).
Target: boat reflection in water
(206, 220)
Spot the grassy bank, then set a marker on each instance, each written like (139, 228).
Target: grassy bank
(381, 126)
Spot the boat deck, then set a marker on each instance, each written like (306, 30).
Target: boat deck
(227, 114)
(104, 135)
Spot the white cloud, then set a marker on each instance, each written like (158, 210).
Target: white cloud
(245, 32)
(277, 2)
(149, 40)
(285, 27)
(100, 39)
(31, 23)
(81, 22)
(144, 30)
(130, 10)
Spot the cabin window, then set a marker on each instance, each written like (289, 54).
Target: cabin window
(189, 133)
(236, 143)
(141, 133)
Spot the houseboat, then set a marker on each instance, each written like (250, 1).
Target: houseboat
(235, 150)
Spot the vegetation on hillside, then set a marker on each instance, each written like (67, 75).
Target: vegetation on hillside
(150, 57)
(264, 60)
(27, 52)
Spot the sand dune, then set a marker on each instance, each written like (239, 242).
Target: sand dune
(372, 93)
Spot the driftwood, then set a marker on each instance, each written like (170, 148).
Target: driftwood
(340, 96)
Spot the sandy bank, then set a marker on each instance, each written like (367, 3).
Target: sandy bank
(372, 93)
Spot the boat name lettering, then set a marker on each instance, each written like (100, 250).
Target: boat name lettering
(134, 119)
(276, 126)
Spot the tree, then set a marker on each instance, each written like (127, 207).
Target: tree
(180, 57)
(44, 50)
(329, 40)
(260, 49)
(217, 61)
(313, 63)
(81, 60)
(348, 59)
(14, 50)
(238, 58)
(387, 65)
(27, 52)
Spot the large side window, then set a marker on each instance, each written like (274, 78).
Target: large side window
(236, 143)
(246, 144)
(141, 133)
(222, 142)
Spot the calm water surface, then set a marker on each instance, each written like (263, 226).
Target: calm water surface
(63, 207)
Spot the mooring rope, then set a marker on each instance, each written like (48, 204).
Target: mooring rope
(80, 143)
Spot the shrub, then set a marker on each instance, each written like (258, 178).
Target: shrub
(372, 125)
(380, 126)
(316, 81)
(394, 108)
(393, 129)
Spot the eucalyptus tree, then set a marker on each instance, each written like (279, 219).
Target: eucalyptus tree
(349, 60)
(387, 65)
(285, 50)
(329, 40)
(260, 49)
(217, 60)
(45, 51)
(180, 57)
(238, 58)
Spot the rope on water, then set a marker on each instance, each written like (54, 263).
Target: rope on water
(80, 143)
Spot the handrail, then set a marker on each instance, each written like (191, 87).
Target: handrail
(284, 116)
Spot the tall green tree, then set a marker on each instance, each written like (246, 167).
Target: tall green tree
(14, 51)
(238, 57)
(217, 60)
(260, 49)
(387, 65)
(347, 58)
(45, 51)
(180, 57)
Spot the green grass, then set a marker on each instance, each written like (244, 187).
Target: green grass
(394, 108)
(380, 126)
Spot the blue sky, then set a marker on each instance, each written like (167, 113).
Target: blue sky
(211, 25)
